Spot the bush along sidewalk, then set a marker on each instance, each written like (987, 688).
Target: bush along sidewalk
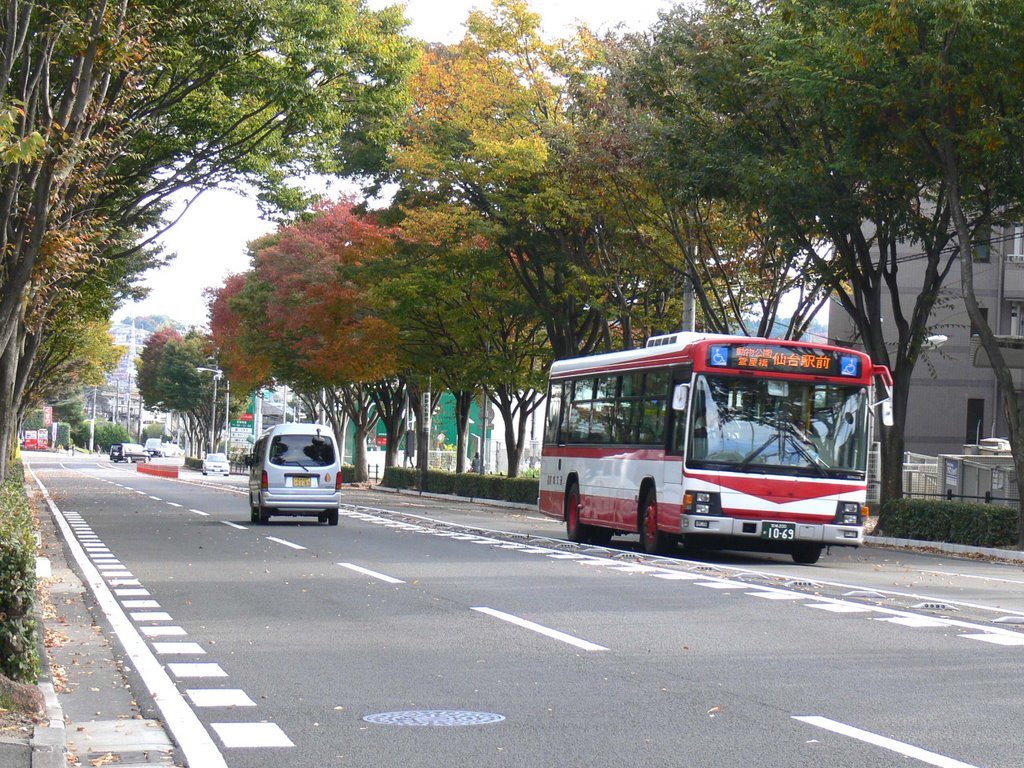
(522, 490)
(953, 522)
(19, 659)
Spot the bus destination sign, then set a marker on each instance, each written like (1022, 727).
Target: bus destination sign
(784, 359)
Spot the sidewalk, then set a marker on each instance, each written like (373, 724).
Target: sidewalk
(92, 718)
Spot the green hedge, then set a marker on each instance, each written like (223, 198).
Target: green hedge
(19, 659)
(956, 522)
(522, 490)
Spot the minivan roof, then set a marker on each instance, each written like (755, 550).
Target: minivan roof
(300, 428)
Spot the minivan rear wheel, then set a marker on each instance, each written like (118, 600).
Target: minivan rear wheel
(332, 517)
(263, 514)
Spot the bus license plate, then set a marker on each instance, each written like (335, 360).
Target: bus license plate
(778, 531)
(301, 482)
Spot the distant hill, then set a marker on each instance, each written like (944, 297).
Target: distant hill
(151, 323)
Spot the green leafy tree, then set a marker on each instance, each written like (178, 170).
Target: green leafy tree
(783, 110)
(108, 110)
(107, 434)
(170, 380)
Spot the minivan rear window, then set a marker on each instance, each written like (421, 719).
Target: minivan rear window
(301, 451)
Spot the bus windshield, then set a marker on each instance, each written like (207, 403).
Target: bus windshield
(778, 426)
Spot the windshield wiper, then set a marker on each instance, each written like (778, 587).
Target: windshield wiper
(745, 461)
(812, 459)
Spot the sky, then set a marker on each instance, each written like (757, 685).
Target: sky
(209, 241)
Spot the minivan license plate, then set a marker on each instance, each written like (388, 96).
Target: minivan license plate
(301, 482)
(778, 531)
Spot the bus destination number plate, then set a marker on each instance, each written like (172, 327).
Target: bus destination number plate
(778, 531)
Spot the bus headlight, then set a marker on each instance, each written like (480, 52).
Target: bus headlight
(848, 513)
(702, 503)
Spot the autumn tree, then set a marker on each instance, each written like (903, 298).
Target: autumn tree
(302, 311)
(495, 130)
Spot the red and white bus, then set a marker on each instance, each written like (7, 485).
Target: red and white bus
(725, 442)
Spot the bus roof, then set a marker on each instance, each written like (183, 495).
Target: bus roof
(690, 347)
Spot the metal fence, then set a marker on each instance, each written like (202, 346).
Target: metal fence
(969, 477)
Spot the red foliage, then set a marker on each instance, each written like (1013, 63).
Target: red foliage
(318, 309)
(240, 361)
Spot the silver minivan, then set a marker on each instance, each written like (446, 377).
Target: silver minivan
(295, 470)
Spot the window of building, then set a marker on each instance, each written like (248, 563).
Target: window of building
(975, 419)
(1015, 240)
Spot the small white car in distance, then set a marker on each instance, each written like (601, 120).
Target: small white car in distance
(217, 464)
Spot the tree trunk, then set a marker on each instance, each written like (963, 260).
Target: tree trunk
(515, 408)
(1003, 374)
(463, 404)
(363, 415)
(390, 398)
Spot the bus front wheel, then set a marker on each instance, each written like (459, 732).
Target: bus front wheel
(806, 554)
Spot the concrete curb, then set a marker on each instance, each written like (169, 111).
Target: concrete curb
(953, 549)
(50, 742)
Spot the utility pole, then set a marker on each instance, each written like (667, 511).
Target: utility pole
(424, 459)
(92, 421)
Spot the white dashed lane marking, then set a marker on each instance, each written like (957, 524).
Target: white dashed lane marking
(197, 669)
(908, 750)
(540, 629)
(374, 574)
(243, 735)
(179, 649)
(285, 542)
(219, 697)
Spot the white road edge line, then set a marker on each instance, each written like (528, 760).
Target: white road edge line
(586, 645)
(368, 572)
(908, 750)
(286, 543)
(196, 744)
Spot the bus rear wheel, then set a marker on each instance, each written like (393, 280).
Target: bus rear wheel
(574, 529)
(806, 554)
(652, 540)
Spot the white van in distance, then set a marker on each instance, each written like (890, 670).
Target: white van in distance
(295, 470)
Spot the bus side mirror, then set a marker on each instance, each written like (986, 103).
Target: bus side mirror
(680, 397)
(886, 408)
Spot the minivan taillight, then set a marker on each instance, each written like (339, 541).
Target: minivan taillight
(337, 480)
(264, 482)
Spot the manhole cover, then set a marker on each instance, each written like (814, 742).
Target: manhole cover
(438, 717)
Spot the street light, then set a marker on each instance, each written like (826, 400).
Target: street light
(217, 373)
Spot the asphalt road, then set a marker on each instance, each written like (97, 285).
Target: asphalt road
(299, 644)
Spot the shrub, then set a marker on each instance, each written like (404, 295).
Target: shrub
(956, 522)
(522, 490)
(19, 658)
